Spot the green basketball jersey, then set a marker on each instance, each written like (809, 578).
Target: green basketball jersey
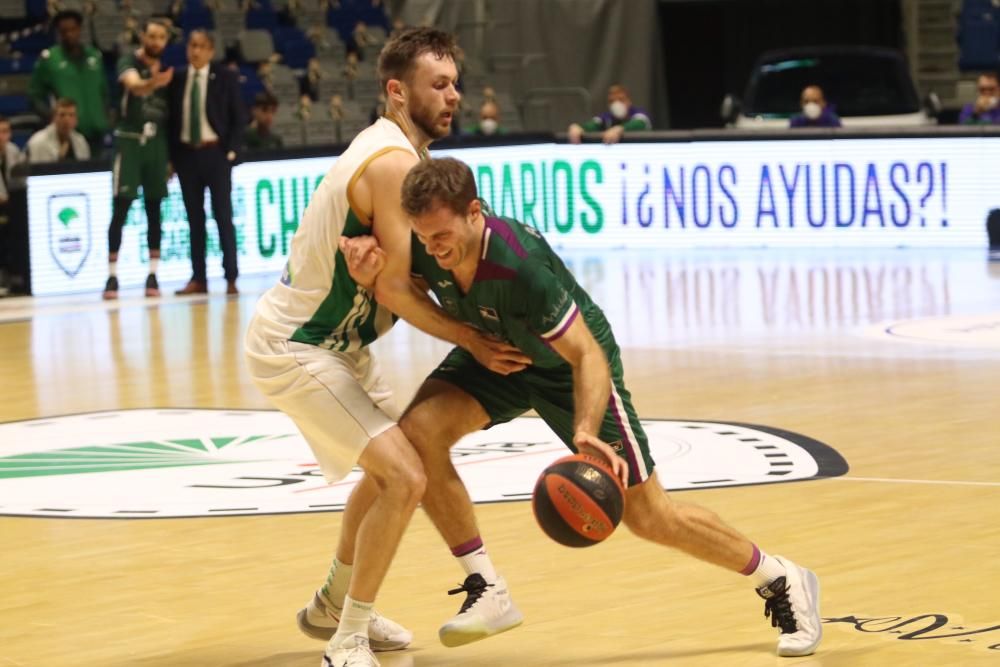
(136, 111)
(522, 292)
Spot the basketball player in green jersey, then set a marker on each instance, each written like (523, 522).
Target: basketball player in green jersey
(140, 149)
(307, 347)
(503, 278)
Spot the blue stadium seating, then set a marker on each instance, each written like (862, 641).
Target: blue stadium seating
(37, 9)
(978, 36)
(196, 17)
(262, 17)
(17, 65)
(33, 44)
(11, 105)
(250, 84)
(294, 47)
(174, 55)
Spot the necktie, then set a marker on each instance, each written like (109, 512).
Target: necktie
(194, 113)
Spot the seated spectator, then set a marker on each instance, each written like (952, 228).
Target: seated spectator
(259, 135)
(620, 117)
(815, 112)
(129, 38)
(13, 232)
(264, 73)
(362, 37)
(350, 69)
(303, 111)
(310, 83)
(59, 141)
(985, 110)
(489, 121)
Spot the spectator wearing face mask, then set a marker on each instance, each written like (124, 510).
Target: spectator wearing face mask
(815, 112)
(620, 117)
(489, 121)
(986, 109)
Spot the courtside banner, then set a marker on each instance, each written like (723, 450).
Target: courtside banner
(926, 192)
(68, 217)
(930, 192)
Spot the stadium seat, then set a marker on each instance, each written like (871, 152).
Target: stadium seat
(297, 54)
(978, 36)
(33, 44)
(262, 17)
(196, 17)
(11, 105)
(174, 55)
(37, 9)
(17, 65)
(255, 45)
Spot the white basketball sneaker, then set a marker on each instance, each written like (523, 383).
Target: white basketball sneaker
(487, 610)
(792, 603)
(354, 651)
(319, 620)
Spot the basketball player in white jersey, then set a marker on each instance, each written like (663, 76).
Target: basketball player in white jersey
(306, 346)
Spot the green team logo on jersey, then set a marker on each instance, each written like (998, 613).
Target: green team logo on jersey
(69, 231)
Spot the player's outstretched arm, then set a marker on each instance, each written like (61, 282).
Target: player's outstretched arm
(140, 87)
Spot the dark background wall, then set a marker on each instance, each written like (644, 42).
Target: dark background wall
(709, 46)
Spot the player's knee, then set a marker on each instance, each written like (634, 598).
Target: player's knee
(402, 475)
(411, 473)
(428, 433)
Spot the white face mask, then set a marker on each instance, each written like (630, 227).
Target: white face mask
(812, 110)
(488, 126)
(618, 109)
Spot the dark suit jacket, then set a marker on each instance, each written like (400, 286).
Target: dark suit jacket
(223, 106)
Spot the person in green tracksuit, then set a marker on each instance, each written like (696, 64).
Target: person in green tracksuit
(141, 153)
(75, 71)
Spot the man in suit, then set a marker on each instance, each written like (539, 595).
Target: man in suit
(206, 135)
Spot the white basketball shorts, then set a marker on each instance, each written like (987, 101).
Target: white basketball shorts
(337, 400)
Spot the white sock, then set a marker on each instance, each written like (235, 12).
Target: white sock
(154, 264)
(113, 269)
(353, 621)
(473, 558)
(337, 583)
(768, 569)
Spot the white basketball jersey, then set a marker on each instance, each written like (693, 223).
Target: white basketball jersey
(316, 301)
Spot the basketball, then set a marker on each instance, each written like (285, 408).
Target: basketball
(578, 501)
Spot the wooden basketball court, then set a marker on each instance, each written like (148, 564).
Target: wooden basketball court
(891, 358)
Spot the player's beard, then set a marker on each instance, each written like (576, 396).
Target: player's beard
(150, 55)
(426, 121)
